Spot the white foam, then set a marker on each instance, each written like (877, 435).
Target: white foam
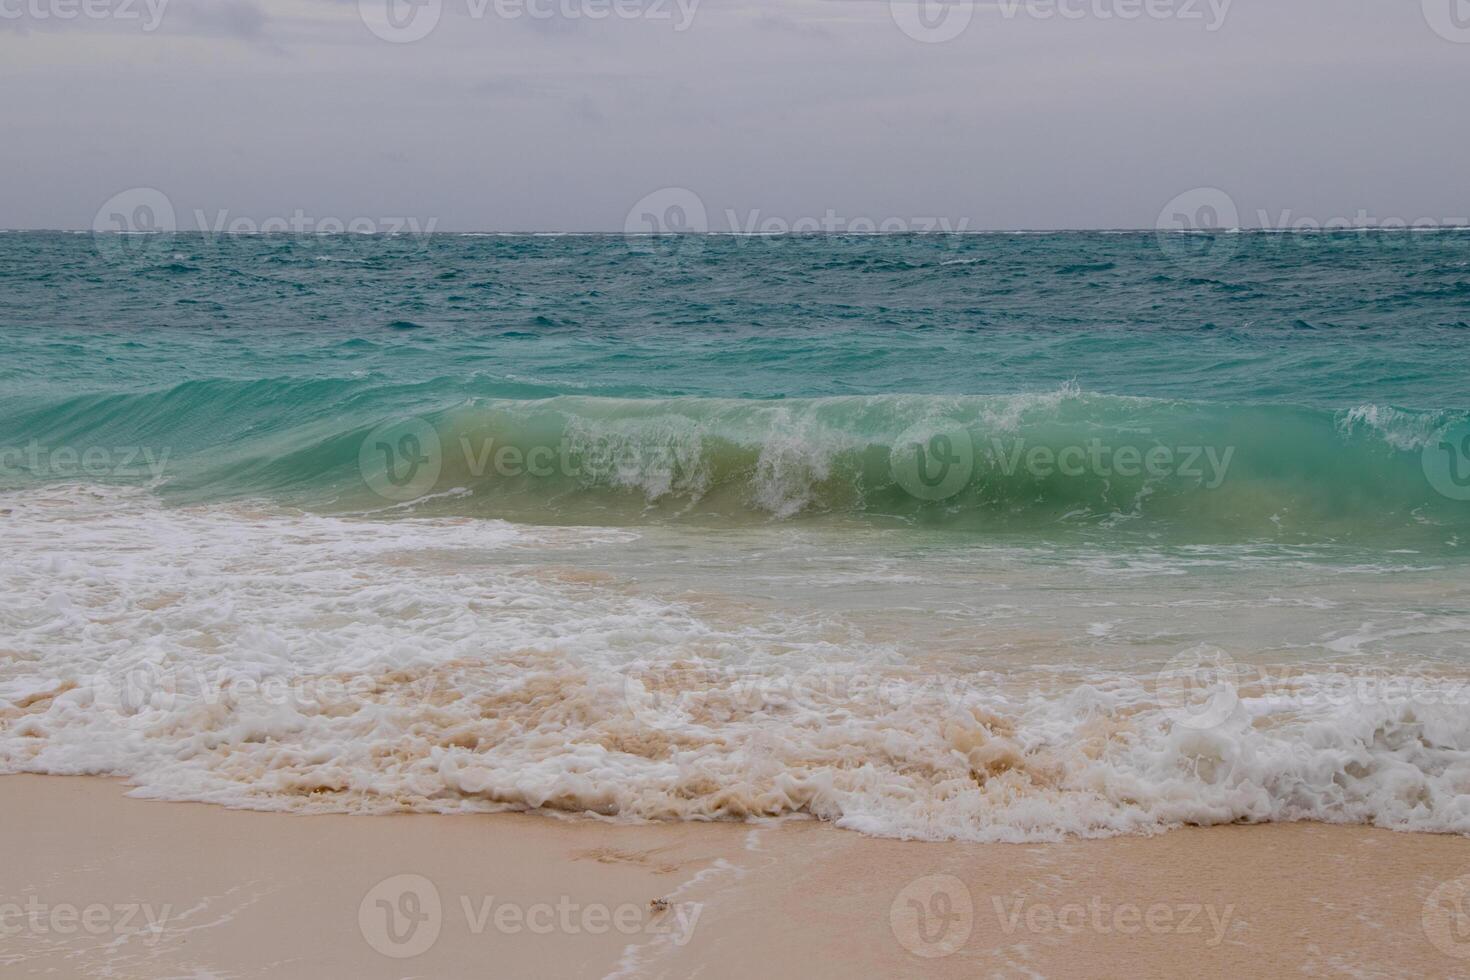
(1403, 430)
(297, 662)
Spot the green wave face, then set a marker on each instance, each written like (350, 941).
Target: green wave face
(1060, 460)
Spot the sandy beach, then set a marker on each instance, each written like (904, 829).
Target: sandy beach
(654, 489)
(98, 884)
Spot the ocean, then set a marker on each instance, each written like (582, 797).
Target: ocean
(971, 537)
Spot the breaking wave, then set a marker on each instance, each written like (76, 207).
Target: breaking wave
(1058, 458)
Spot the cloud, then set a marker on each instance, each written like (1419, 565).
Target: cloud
(585, 108)
(1019, 122)
(781, 24)
(241, 19)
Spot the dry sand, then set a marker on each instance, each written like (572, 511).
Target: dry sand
(94, 884)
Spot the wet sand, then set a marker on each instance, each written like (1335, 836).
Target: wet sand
(98, 884)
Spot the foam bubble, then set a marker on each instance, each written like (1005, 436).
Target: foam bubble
(280, 660)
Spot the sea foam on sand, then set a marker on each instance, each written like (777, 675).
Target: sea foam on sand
(285, 661)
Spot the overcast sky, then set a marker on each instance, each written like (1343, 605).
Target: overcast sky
(505, 117)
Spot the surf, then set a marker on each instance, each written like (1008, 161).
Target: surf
(1052, 459)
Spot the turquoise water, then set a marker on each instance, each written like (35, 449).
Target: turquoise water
(1295, 387)
(990, 537)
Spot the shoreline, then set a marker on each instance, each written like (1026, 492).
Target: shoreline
(96, 881)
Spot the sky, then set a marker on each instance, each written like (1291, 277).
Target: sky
(613, 115)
